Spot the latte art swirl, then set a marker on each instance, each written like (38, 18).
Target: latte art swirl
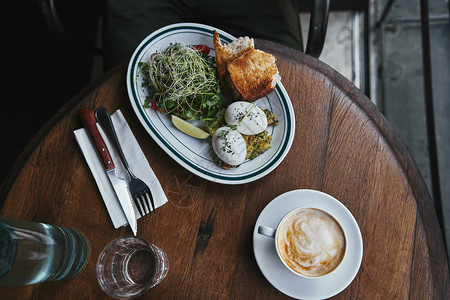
(311, 242)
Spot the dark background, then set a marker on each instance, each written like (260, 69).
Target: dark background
(43, 69)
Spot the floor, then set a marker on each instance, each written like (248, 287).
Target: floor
(403, 89)
(393, 66)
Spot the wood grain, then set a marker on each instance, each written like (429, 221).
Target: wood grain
(343, 146)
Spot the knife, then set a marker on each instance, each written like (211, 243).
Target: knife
(119, 185)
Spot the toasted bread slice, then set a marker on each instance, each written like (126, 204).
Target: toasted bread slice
(225, 54)
(253, 75)
(245, 73)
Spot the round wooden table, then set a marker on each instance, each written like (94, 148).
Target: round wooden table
(343, 146)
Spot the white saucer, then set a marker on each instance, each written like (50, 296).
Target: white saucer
(274, 270)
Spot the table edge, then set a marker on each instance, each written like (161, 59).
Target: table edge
(23, 157)
(424, 201)
(434, 234)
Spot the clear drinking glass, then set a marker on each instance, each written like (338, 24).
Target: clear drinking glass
(36, 252)
(129, 266)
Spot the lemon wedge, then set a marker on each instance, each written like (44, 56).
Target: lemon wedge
(188, 128)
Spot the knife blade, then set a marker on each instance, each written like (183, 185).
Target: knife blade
(119, 185)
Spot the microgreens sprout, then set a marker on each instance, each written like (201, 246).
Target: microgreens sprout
(183, 81)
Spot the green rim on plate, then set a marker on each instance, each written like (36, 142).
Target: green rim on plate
(180, 155)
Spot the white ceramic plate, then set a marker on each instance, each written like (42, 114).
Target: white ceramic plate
(283, 279)
(193, 154)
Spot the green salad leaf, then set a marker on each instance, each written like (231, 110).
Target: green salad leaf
(184, 82)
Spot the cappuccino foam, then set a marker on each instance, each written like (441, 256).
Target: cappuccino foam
(311, 242)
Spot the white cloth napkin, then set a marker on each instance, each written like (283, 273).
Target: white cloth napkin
(135, 158)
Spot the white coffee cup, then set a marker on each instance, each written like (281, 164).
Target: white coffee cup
(310, 242)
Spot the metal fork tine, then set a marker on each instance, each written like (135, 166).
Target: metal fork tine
(138, 205)
(145, 205)
(148, 195)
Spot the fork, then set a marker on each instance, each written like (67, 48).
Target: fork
(140, 192)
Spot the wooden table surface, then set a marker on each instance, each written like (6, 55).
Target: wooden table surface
(343, 146)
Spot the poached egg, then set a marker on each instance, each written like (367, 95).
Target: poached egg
(229, 145)
(249, 118)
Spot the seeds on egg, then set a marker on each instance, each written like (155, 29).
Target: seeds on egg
(250, 118)
(229, 145)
